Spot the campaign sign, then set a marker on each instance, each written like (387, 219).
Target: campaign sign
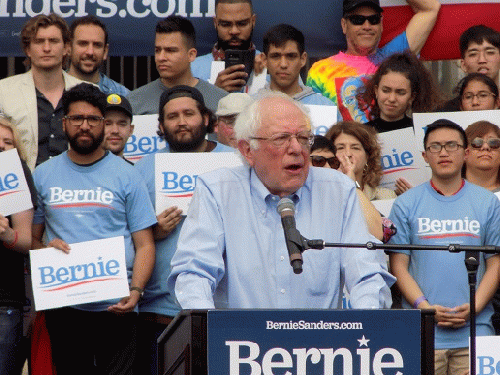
(145, 140)
(176, 173)
(462, 118)
(15, 195)
(401, 158)
(92, 271)
(384, 206)
(317, 342)
(487, 355)
(322, 117)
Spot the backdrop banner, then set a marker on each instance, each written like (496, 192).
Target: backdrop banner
(131, 23)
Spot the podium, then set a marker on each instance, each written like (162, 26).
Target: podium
(182, 347)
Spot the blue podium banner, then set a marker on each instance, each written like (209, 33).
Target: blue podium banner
(306, 342)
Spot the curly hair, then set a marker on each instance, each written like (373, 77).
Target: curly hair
(368, 138)
(426, 95)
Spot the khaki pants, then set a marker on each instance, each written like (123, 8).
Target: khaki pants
(451, 361)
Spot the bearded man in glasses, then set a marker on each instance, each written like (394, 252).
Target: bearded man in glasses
(231, 251)
(84, 194)
(362, 25)
(443, 211)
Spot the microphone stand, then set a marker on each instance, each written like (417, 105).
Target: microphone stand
(471, 263)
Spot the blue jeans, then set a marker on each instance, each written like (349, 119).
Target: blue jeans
(11, 334)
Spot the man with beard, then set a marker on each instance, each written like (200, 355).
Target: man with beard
(234, 22)
(32, 100)
(175, 50)
(95, 337)
(89, 49)
(184, 121)
(117, 124)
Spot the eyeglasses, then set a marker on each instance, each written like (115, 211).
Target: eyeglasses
(77, 120)
(481, 96)
(358, 20)
(436, 148)
(306, 139)
(227, 120)
(320, 161)
(493, 143)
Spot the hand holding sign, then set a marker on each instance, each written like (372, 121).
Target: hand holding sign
(401, 185)
(167, 221)
(7, 234)
(60, 245)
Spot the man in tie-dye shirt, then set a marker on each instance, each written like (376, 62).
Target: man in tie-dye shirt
(340, 76)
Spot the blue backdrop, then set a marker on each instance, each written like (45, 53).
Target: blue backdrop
(131, 22)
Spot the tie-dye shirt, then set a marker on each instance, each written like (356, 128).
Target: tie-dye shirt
(341, 75)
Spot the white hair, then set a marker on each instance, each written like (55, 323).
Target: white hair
(249, 121)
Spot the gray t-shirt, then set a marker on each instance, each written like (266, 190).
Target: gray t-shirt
(146, 99)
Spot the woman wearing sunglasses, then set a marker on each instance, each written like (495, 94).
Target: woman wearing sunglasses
(478, 92)
(482, 167)
(323, 155)
(482, 163)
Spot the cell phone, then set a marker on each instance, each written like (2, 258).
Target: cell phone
(236, 56)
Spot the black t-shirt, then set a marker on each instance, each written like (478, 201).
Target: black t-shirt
(12, 291)
(382, 126)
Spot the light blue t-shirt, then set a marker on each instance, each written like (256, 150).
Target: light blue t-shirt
(108, 86)
(231, 251)
(74, 218)
(424, 217)
(158, 298)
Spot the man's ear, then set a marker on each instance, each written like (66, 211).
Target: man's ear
(424, 155)
(343, 24)
(192, 53)
(463, 66)
(246, 151)
(264, 59)
(303, 59)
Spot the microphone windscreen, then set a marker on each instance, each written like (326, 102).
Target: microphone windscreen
(286, 205)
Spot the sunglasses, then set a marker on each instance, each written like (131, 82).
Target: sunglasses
(358, 20)
(493, 143)
(320, 161)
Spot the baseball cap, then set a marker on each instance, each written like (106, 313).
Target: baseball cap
(179, 92)
(350, 5)
(118, 102)
(233, 104)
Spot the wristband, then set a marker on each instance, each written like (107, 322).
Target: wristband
(137, 289)
(12, 244)
(418, 301)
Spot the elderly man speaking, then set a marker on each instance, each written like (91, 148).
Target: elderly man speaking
(232, 252)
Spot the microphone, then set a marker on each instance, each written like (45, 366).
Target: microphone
(293, 239)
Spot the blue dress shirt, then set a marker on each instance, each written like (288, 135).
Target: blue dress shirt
(231, 251)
